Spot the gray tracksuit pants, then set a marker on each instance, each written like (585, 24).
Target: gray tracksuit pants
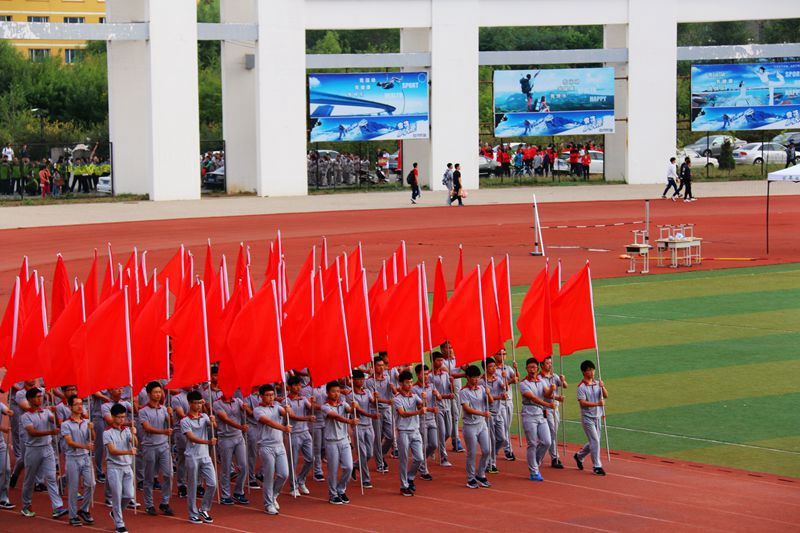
(591, 426)
(409, 440)
(40, 461)
(200, 469)
(366, 448)
(275, 469)
(537, 433)
(553, 422)
(339, 456)
(230, 448)
(477, 435)
(156, 459)
(79, 468)
(122, 492)
(302, 446)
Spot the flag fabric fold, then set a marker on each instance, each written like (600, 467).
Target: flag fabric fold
(462, 322)
(574, 314)
(61, 291)
(149, 343)
(534, 318)
(187, 330)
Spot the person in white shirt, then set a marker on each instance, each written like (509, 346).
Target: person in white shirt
(672, 179)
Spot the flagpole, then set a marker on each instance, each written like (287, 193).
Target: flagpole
(424, 422)
(405, 258)
(430, 345)
(208, 374)
(483, 342)
(514, 356)
(130, 383)
(17, 286)
(561, 373)
(91, 450)
(225, 285)
(144, 266)
(597, 352)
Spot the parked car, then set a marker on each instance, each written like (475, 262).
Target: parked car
(215, 179)
(757, 153)
(104, 184)
(486, 166)
(330, 153)
(698, 161)
(712, 146)
(786, 138)
(595, 167)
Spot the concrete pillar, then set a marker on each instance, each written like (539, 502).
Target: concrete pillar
(239, 101)
(454, 89)
(153, 101)
(652, 89)
(419, 150)
(281, 107)
(616, 144)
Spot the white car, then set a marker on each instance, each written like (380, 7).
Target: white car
(104, 184)
(712, 145)
(698, 161)
(757, 153)
(595, 167)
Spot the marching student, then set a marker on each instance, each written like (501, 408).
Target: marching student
(115, 397)
(475, 401)
(301, 413)
(592, 396)
(408, 407)
(274, 465)
(19, 439)
(428, 429)
(510, 376)
(337, 443)
(320, 396)
(40, 459)
(78, 435)
(232, 428)
(364, 402)
(180, 410)
(383, 428)
(5, 468)
(96, 414)
(196, 426)
(457, 374)
(156, 455)
(497, 426)
(250, 402)
(120, 442)
(536, 394)
(555, 382)
(442, 382)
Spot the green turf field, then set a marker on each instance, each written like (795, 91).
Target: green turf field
(701, 366)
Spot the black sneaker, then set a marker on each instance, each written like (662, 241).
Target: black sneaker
(39, 487)
(226, 501)
(335, 500)
(472, 484)
(58, 512)
(319, 477)
(599, 472)
(344, 498)
(407, 492)
(367, 485)
(86, 517)
(483, 482)
(151, 511)
(254, 484)
(195, 520)
(166, 509)
(578, 461)
(260, 477)
(75, 522)
(122, 529)
(139, 485)
(13, 481)
(510, 456)
(412, 486)
(205, 517)
(395, 454)
(182, 491)
(556, 463)
(493, 470)
(426, 476)
(241, 499)
(156, 484)
(101, 478)
(7, 505)
(201, 491)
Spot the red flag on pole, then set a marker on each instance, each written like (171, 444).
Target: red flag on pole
(439, 300)
(325, 338)
(534, 318)
(62, 369)
(404, 330)
(208, 268)
(149, 344)
(24, 276)
(26, 363)
(555, 288)
(297, 313)
(11, 324)
(305, 270)
(90, 287)
(459, 268)
(503, 277)
(376, 302)
(108, 277)
(495, 337)
(354, 267)
(175, 271)
(61, 290)
(573, 313)
(215, 307)
(461, 320)
(186, 328)
(359, 333)
(228, 378)
(241, 265)
(402, 260)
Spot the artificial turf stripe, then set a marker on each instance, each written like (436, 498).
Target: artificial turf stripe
(744, 458)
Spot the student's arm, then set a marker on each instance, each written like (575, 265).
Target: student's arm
(361, 411)
(34, 433)
(150, 429)
(603, 388)
(197, 440)
(119, 453)
(102, 397)
(72, 444)
(340, 418)
(228, 420)
(469, 410)
(275, 425)
(532, 397)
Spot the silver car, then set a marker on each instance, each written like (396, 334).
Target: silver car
(712, 146)
(757, 153)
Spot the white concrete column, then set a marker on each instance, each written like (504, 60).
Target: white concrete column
(419, 150)
(454, 89)
(281, 107)
(153, 101)
(652, 86)
(616, 144)
(238, 101)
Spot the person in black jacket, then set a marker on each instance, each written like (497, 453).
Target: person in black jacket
(457, 184)
(686, 180)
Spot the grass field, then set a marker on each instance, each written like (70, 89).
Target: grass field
(700, 366)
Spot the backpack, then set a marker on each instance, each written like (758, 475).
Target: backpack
(410, 177)
(445, 181)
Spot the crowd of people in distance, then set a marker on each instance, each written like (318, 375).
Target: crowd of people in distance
(325, 169)
(534, 160)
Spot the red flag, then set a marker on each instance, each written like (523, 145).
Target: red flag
(100, 347)
(325, 339)
(555, 287)
(297, 313)
(175, 271)
(186, 283)
(241, 265)
(273, 265)
(324, 253)
(459, 268)
(402, 260)
(108, 278)
(215, 306)
(29, 298)
(305, 270)
(228, 377)
(461, 320)
(24, 276)
(90, 287)
(150, 352)
(26, 363)
(187, 330)
(255, 340)
(503, 277)
(354, 267)
(62, 369)
(61, 290)
(404, 332)
(208, 270)
(13, 314)
(534, 318)
(495, 337)
(356, 308)
(379, 287)
(573, 313)
(132, 277)
(439, 300)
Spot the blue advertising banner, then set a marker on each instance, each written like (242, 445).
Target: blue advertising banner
(368, 106)
(746, 96)
(572, 101)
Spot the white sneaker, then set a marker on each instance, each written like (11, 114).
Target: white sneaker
(686, 201)
(304, 490)
(275, 503)
(271, 510)
(294, 493)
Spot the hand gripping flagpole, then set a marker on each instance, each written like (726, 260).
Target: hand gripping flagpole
(514, 356)
(130, 383)
(597, 352)
(208, 375)
(430, 345)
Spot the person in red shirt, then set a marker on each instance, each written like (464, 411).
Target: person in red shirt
(44, 180)
(586, 161)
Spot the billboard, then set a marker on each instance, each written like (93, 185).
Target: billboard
(368, 106)
(571, 101)
(746, 96)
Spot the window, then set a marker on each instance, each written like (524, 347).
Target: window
(71, 55)
(74, 20)
(37, 54)
(38, 19)
(102, 20)
(5, 18)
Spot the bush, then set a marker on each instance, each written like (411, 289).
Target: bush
(726, 161)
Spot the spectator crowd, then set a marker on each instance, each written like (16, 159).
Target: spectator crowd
(534, 160)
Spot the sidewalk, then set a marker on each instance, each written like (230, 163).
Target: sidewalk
(97, 213)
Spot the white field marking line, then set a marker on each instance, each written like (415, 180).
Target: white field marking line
(387, 511)
(702, 507)
(51, 520)
(699, 439)
(513, 513)
(603, 509)
(338, 525)
(698, 323)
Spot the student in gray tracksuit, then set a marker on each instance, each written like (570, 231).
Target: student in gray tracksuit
(428, 422)
(156, 454)
(337, 443)
(197, 427)
(78, 435)
(364, 402)
(443, 383)
(120, 443)
(556, 382)
(457, 373)
(408, 407)
(250, 402)
(592, 397)
(40, 426)
(536, 399)
(5, 466)
(271, 451)
(510, 376)
(301, 415)
(383, 428)
(320, 396)
(232, 428)
(180, 410)
(475, 401)
(497, 423)
(115, 398)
